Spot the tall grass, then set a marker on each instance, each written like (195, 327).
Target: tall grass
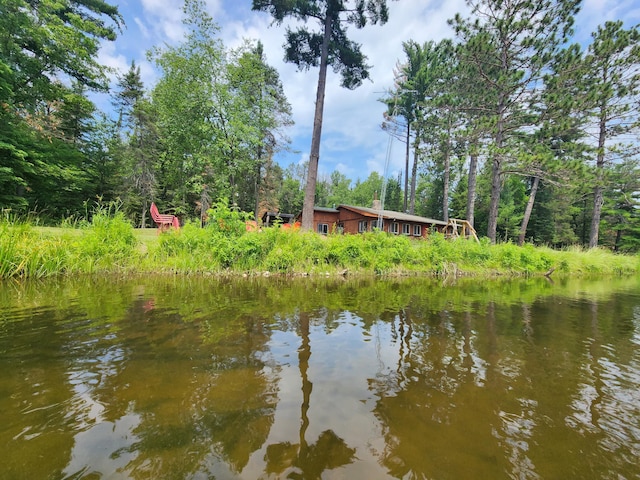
(104, 244)
(276, 250)
(108, 243)
(25, 253)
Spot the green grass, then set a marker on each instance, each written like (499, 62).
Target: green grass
(108, 244)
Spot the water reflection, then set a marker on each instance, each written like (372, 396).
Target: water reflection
(302, 460)
(199, 378)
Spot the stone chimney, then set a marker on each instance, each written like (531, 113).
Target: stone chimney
(377, 204)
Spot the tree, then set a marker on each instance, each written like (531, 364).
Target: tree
(129, 92)
(102, 150)
(472, 98)
(291, 196)
(48, 59)
(558, 143)
(612, 63)
(339, 189)
(365, 192)
(330, 46)
(509, 44)
(621, 210)
(393, 195)
(440, 112)
(44, 41)
(191, 99)
(138, 143)
(257, 87)
(220, 115)
(404, 101)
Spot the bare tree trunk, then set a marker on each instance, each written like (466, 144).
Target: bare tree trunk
(496, 184)
(414, 178)
(492, 226)
(314, 154)
(598, 201)
(528, 210)
(471, 187)
(616, 245)
(406, 167)
(143, 216)
(256, 188)
(598, 195)
(447, 173)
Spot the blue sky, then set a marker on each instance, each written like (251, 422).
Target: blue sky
(352, 141)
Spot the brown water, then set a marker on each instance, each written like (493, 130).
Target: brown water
(357, 379)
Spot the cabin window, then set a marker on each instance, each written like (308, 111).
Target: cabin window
(377, 224)
(323, 228)
(395, 228)
(340, 228)
(417, 230)
(406, 228)
(362, 226)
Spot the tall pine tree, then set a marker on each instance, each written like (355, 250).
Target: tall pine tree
(328, 46)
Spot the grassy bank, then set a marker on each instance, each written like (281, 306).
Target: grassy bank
(108, 244)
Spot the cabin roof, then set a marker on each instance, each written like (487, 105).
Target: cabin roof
(326, 209)
(391, 215)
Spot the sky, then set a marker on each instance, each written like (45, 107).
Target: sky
(353, 141)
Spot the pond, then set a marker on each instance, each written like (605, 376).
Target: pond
(368, 378)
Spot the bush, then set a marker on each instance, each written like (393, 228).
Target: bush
(106, 243)
(230, 222)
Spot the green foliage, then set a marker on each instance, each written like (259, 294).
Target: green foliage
(108, 244)
(23, 253)
(226, 220)
(42, 120)
(365, 191)
(525, 259)
(508, 46)
(291, 195)
(219, 115)
(47, 39)
(189, 101)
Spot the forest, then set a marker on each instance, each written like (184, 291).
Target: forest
(508, 123)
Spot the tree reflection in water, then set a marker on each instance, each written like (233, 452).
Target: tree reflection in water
(301, 460)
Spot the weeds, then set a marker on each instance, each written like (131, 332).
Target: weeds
(107, 243)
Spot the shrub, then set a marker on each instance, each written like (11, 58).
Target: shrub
(107, 239)
(222, 219)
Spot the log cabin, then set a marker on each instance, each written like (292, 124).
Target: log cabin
(352, 219)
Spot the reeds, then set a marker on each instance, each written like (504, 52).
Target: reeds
(105, 244)
(108, 243)
(284, 251)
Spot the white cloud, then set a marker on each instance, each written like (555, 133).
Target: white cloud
(164, 18)
(596, 12)
(112, 59)
(353, 142)
(148, 73)
(143, 28)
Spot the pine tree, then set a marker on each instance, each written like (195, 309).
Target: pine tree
(509, 44)
(612, 64)
(329, 46)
